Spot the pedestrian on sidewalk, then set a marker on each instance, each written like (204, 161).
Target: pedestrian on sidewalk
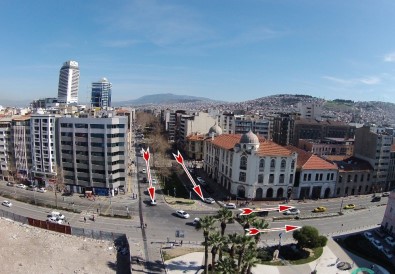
(97, 210)
(93, 218)
(84, 219)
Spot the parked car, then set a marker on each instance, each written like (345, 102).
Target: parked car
(377, 244)
(7, 203)
(57, 215)
(196, 221)
(182, 214)
(387, 252)
(319, 209)
(144, 180)
(144, 171)
(55, 220)
(10, 184)
(209, 200)
(201, 181)
(385, 194)
(376, 199)
(292, 211)
(42, 190)
(390, 241)
(32, 188)
(349, 206)
(230, 205)
(154, 181)
(368, 236)
(21, 186)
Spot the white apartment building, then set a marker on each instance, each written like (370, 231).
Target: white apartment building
(43, 147)
(5, 147)
(312, 110)
(249, 166)
(240, 124)
(196, 123)
(93, 153)
(22, 146)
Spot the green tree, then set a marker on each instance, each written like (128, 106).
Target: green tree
(247, 220)
(216, 241)
(250, 260)
(226, 265)
(234, 240)
(244, 242)
(308, 237)
(224, 215)
(206, 224)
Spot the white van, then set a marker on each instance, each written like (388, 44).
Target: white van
(58, 215)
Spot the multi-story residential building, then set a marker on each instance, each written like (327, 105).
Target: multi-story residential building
(376, 149)
(93, 154)
(248, 166)
(320, 129)
(328, 146)
(354, 177)
(101, 93)
(283, 128)
(391, 170)
(240, 124)
(195, 146)
(69, 78)
(43, 147)
(315, 177)
(226, 122)
(197, 123)
(310, 110)
(45, 103)
(6, 149)
(22, 146)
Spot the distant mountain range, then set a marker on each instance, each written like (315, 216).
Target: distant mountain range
(164, 98)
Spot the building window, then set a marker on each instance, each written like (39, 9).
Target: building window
(355, 178)
(283, 164)
(262, 165)
(327, 176)
(348, 178)
(282, 178)
(243, 163)
(272, 164)
(293, 164)
(309, 177)
(332, 176)
(305, 177)
(242, 177)
(316, 177)
(271, 178)
(362, 177)
(368, 179)
(291, 179)
(260, 178)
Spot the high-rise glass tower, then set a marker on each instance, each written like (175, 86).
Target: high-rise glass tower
(101, 93)
(69, 78)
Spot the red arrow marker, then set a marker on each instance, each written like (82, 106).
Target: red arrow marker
(254, 231)
(196, 187)
(280, 208)
(151, 189)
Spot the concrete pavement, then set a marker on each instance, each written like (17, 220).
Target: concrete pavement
(329, 263)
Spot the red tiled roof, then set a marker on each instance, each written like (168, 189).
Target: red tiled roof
(195, 137)
(336, 157)
(226, 141)
(307, 160)
(353, 163)
(269, 148)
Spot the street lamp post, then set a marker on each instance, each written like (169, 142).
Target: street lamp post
(174, 192)
(341, 205)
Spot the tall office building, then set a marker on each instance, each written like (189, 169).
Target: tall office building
(101, 93)
(69, 78)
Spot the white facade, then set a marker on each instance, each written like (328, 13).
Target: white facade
(43, 146)
(198, 123)
(250, 168)
(311, 110)
(5, 147)
(69, 78)
(318, 183)
(22, 146)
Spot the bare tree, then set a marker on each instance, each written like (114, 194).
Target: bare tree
(11, 168)
(58, 181)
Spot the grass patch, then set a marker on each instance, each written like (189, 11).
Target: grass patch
(362, 247)
(292, 256)
(314, 255)
(169, 254)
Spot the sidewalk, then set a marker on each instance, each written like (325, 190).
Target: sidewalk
(326, 264)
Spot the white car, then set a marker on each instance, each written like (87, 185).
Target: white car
(368, 236)
(377, 244)
(21, 186)
(390, 241)
(144, 171)
(42, 190)
(7, 204)
(182, 214)
(387, 252)
(292, 211)
(209, 200)
(152, 202)
(196, 221)
(57, 215)
(154, 181)
(54, 220)
(230, 206)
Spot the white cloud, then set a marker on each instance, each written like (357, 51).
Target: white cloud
(390, 57)
(371, 80)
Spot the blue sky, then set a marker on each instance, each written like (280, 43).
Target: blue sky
(222, 49)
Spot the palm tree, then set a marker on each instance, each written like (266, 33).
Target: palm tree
(244, 241)
(224, 215)
(217, 242)
(250, 260)
(247, 220)
(226, 266)
(233, 239)
(207, 224)
(259, 224)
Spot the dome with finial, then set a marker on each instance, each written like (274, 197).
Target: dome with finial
(249, 138)
(215, 129)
